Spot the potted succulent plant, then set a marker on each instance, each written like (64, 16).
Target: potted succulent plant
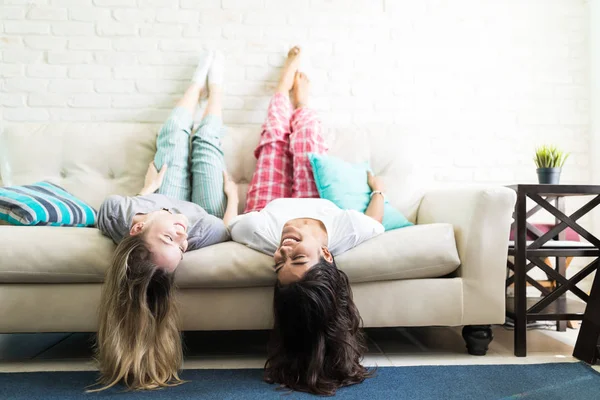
(549, 161)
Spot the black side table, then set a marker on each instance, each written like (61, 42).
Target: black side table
(587, 347)
(553, 304)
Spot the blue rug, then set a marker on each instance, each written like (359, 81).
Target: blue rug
(540, 381)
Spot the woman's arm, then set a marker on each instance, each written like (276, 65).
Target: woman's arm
(153, 179)
(375, 208)
(231, 191)
(231, 211)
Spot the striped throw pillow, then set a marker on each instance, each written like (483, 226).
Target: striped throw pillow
(43, 203)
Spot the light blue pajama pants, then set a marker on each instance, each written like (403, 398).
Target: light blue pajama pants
(205, 185)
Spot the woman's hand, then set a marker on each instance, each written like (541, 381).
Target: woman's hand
(375, 208)
(375, 182)
(153, 179)
(229, 187)
(231, 191)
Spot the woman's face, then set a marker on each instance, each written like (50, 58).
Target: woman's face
(165, 234)
(302, 246)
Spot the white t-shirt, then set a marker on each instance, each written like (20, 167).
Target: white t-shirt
(261, 230)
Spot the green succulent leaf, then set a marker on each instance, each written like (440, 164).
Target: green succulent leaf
(549, 157)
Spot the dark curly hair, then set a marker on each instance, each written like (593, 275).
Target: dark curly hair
(316, 344)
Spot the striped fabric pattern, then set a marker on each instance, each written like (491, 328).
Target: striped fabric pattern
(208, 164)
(44, 203)
(173, 149)
(202, 183)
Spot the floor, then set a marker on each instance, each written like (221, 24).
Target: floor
(387, 347)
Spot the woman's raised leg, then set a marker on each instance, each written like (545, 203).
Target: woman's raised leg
(272, 177)
(306, 137)
(208, 162)
(173, 141)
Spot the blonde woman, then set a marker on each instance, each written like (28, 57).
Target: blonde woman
(138, 342)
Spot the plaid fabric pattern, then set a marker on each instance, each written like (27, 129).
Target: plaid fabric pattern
(306, 138)
(282, 168)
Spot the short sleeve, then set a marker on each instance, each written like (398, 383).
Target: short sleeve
(213, 231)
(109, 221)
(251, 230)
(352, 228)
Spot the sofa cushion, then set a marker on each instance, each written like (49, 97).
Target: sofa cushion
(345, 184)
(45, 254)
(64, 255)
(89, 160)
(414, 252)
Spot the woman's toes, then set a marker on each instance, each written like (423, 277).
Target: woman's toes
(288, 74)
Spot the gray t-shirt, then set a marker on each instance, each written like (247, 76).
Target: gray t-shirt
(116, 214)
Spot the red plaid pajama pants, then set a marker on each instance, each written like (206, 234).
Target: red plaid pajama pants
(283, 168)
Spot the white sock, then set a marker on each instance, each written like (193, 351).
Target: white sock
(217, 69)
(204, 63)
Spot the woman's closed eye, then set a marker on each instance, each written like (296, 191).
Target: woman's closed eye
(170, 239)
(299, 260)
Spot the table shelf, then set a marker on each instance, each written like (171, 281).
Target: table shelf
(559, 252)
(561, 309)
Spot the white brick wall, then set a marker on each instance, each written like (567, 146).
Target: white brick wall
(595, 97)
(484, 80)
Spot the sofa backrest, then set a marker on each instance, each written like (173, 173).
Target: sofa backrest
(94, 160)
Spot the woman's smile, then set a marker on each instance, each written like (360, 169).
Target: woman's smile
(182, 226)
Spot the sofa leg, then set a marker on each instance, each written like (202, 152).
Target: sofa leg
(478, 337)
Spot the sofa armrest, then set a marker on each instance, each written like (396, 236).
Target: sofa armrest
(481, 217)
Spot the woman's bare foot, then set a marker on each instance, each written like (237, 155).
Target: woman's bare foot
(301, 90)
(286, 82)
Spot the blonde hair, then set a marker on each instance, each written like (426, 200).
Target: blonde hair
(138, 341)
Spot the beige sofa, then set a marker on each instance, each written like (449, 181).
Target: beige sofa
(448, 270)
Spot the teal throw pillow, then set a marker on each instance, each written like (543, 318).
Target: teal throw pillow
(345, 184)
(43, 203)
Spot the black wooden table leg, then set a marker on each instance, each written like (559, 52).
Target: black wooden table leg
(586, 347)
(561, 268)
(561, 262)
(520, 279)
